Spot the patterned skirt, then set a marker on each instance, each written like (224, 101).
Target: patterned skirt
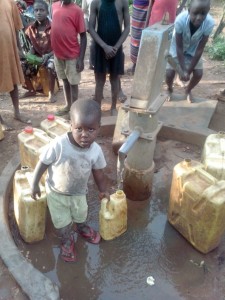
(137, 25)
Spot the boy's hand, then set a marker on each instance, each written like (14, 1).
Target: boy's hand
(80, 65)
(35, 191)
(185, 76)
(110, 51)
(103, 195)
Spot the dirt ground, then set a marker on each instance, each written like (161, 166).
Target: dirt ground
(38, 108)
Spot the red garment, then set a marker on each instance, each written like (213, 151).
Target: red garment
(29, 2)
(160, 7)
(41, 43)
(67, 23)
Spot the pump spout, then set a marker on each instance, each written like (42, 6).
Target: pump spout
(122, 153)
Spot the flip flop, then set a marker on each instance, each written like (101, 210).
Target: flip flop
(92, 236)
(68, 254)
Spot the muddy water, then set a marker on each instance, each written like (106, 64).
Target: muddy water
(118, 269)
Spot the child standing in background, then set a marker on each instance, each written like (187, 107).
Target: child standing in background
(67, 25)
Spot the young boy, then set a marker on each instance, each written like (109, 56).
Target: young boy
(69, 160)
(191, 33)
(109, 15)
(67, 24)
(39, 36)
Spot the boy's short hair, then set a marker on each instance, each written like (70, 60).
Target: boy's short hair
(42, 2)
(86, 107)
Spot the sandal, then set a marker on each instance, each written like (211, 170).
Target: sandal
(68, 254)
(91, 236)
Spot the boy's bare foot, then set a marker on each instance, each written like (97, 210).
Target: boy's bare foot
(18, 117)
(189, 97)
(169, 93)
(28, 94)
(63, 111)
(113, 112)
(52, 98)
(6, 127)
(122, 97)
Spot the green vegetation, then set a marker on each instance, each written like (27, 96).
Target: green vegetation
(216, 49)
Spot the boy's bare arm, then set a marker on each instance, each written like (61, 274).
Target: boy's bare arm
(126, 21)
(180, 56)
(198, 53)
(101, 182)
(38, 172)
(83, 45)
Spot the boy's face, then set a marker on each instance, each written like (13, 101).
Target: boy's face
(198, 12)
(84, 130)
(40, 12)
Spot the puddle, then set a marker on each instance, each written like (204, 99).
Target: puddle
(119, 269)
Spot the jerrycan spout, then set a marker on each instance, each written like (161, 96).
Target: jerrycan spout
(122, 154)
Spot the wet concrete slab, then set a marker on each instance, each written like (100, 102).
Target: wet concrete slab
(119, 269)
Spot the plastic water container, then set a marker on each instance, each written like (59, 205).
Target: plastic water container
(213, 155)
(55, 126)
(197, 205)
(31, 143)
(1, 133)
(30, 214)
(113, 216)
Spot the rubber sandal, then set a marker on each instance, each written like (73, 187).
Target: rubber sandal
(92, 236)
(68, 254)
(62, 112)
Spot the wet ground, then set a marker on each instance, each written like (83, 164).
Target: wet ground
(118, 269)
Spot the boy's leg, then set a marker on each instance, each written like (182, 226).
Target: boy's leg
(67, 94)
(170, 75)
(196, 77)
(67, 252)
(88, 233)
(51, 77)
(15, 100)
(121, 96)
(74, 93)
(31, 92)
(115, 84)
(100, 79)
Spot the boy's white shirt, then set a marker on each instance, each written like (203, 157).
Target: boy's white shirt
(190, 43)
(70, 166)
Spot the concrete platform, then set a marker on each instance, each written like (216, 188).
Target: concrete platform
(187, 122)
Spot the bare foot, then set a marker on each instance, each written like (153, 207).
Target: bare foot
(189, 97)
(52, 99)
(63, 111)
(122, 97)
(18, 117)
(28, 94)
(6, 127)
(169, 93)
(113, 112)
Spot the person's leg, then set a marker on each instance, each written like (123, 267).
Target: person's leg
(67, 96)
(51, 77)
(29, 86)
(74, 93)
(67, 251)
(100, 79)
(196, 77)
(121, 96)
(92, 55)
(5, 126)
(115, 83)
(15, 100)
(170, 75)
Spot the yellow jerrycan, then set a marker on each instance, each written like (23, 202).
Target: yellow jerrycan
(1, 132)
(30, 214)
(113, 216)
(197, 205)
(55, 126)
(31, 143)
(213, 155)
